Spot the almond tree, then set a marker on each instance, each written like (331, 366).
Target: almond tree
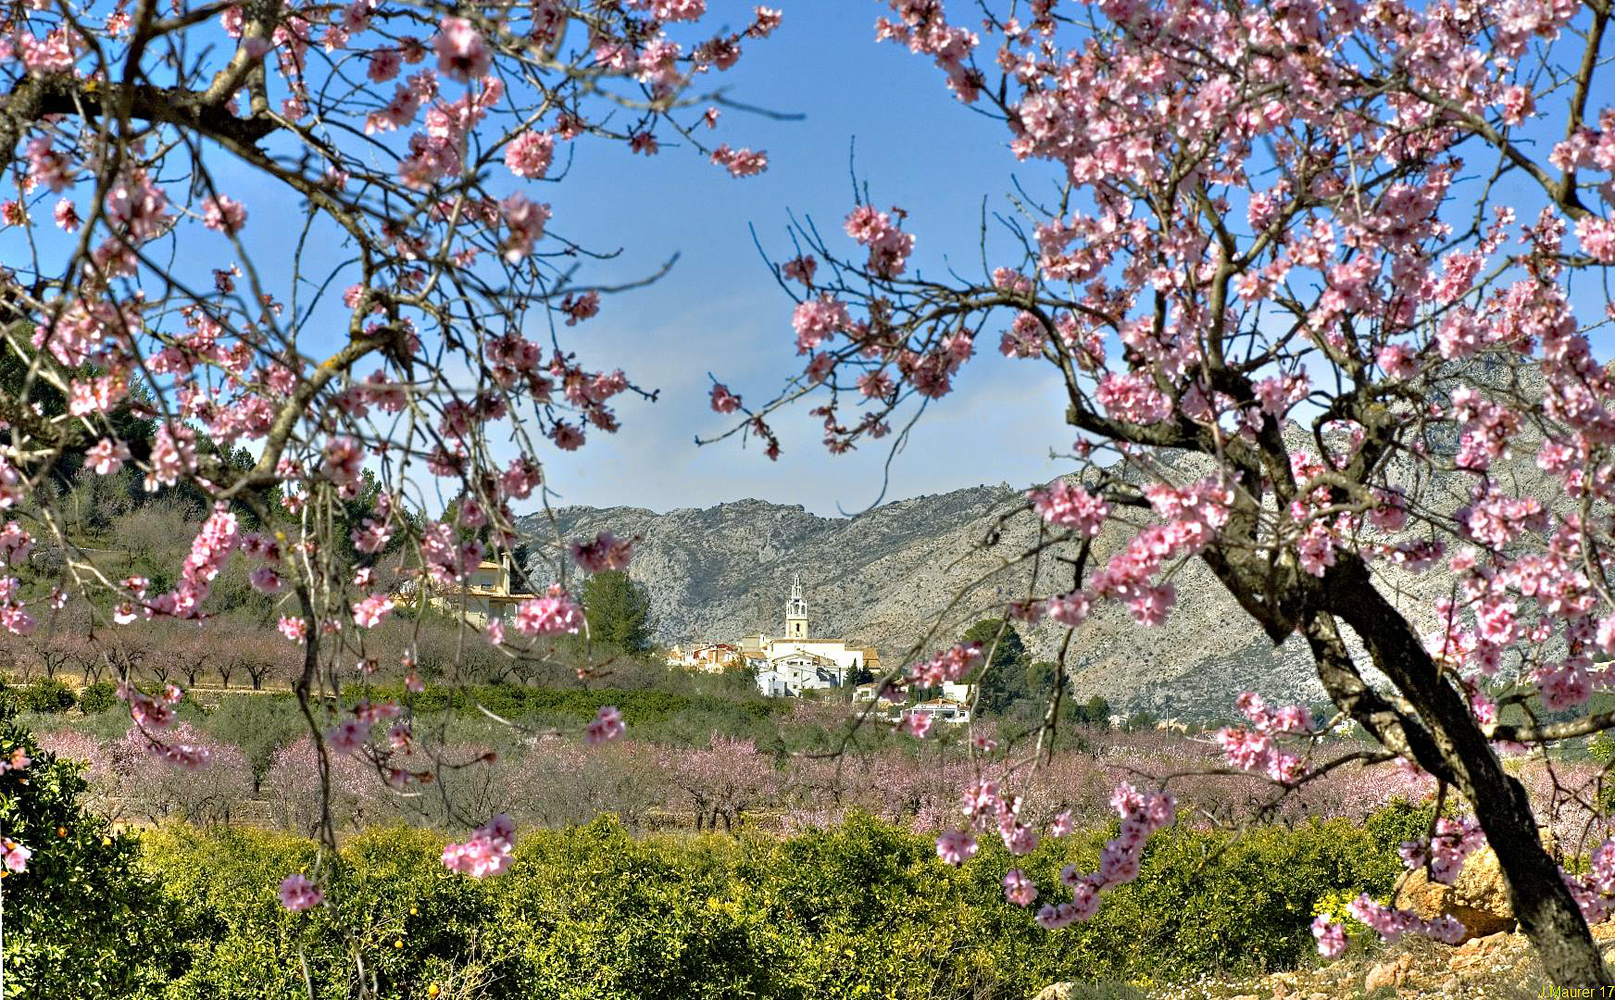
(1320, 282)
(262, 252)
(723, 780)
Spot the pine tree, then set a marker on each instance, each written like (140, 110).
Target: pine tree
(618, 610)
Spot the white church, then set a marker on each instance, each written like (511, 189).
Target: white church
(793, 663)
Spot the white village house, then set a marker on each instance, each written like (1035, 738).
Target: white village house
(946, 710)
(795, 662)
(708, 658)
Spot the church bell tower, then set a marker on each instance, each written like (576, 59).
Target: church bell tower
(796, 611)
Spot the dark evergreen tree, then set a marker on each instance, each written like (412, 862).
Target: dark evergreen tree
(1003, 677)
(618, 610)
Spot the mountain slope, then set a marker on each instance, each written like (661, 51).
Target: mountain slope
(886, 577)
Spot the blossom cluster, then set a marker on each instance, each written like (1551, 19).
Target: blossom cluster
(1255, 748)
(1444, 854)
(1330, 934)
(986, 807)
(553, 614)
(15, 855)
(606, 726)
(350, 734)
(1391, 923)
(298, 893)
(213, 545)
(154, 714)
(951, 664)
(18, 761)
(603, 552)
(15, 544)
(1068, 506)
(1594, 892)
(1142, 813)
(889, 247)
(487, 852)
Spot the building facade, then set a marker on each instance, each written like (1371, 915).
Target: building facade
(710, 658)
(489, 593)
(795, 662)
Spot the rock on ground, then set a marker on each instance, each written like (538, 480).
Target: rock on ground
(1478, 899)
(1499, 966)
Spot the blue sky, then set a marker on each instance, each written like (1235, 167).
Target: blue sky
(720, 311)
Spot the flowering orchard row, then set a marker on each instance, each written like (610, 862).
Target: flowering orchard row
(557, 782)
(1320, 282)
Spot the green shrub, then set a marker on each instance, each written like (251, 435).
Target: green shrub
(1401, 821)
(98, 697)
(862, 909)
(1210, 901)
(48, 695)
(81, 920)
(258, 724)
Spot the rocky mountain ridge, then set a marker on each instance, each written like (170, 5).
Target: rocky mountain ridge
(917, 572)
(909, 576)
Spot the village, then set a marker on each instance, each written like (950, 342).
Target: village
(793, 664)
(796, 663)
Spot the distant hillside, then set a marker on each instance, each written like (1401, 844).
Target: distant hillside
(887, 576)
(884, 577)
(724, 571)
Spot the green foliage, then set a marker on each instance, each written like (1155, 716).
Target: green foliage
(98, 697)
(19, 381)
(47, 695)
(81, 920)
(1007, 677)
(618, 610)
(232, 592)
(410, 918)
(1399, 822)
(1337, 907)
(258, 724)
(352, 512)
(1208, 901)
(1601, 747)
(864, 909)
(1006, 650)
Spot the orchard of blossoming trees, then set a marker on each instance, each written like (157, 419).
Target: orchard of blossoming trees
(328, 408)
(1308, 272)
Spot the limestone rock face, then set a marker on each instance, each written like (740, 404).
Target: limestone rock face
(884, 577)
(1478, 959)
(1389, 973)
(1478, 900)
(889, 578)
